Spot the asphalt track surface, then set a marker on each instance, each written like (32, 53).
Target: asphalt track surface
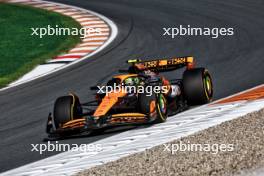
(236, 62)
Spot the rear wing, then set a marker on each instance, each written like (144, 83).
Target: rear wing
(162, 65)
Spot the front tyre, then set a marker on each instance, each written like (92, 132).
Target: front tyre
(197, 86)
(162, 109)
(155, 106)
(66, 108)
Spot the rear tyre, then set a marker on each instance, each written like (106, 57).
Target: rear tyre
(66, 108)
(197, 86)
(155, 106)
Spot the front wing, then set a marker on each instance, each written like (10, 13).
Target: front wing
(90, 123)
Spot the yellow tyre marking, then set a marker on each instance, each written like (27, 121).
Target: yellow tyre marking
(206, 84)
(72, 106)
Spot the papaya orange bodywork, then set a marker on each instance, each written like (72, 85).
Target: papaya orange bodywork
(111, 98)
(107, 103)
(74, 123)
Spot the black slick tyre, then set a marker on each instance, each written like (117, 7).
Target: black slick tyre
(155, 106)
(197, 86)
(66, 108)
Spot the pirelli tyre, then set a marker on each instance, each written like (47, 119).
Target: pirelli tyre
(155, 106)
(66, 108)
(197, 86)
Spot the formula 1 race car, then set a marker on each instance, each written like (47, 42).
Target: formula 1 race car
(138, 96)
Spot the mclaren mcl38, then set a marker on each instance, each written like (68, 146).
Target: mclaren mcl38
(139, 95)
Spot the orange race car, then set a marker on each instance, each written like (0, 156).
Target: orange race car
(140, 96)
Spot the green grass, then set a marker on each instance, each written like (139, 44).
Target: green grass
(20, 51)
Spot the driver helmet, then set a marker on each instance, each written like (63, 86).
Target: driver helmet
(129, 82)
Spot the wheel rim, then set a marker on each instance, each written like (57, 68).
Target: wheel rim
(162, 104)
(208, 86)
